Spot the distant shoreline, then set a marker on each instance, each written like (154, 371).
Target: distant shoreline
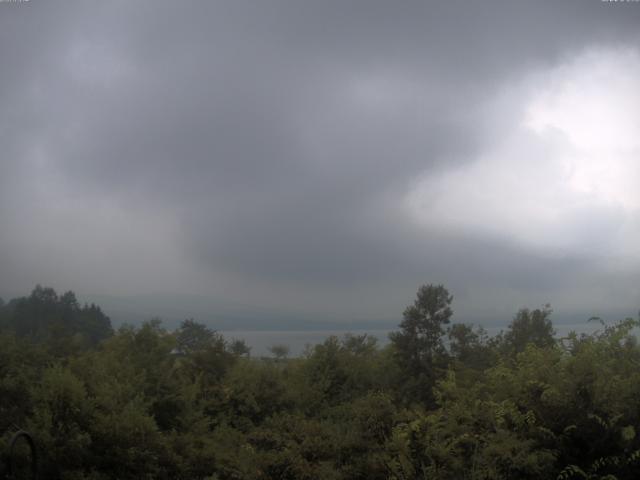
(296, 340)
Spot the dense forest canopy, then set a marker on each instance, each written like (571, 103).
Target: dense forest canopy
(441, 401)
(44, 315)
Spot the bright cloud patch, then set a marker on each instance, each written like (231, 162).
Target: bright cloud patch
(566, 176)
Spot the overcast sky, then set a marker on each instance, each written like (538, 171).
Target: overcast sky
(323, 159)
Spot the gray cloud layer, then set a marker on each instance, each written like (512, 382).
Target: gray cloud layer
(261, 152)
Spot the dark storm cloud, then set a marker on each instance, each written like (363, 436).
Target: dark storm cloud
(278, 138)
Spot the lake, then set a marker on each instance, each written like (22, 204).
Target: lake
(296, 340)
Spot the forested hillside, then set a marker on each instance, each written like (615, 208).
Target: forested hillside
(441, 401)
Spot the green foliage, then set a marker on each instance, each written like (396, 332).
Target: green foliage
(255, 392)
(61, 420)
(421, 330)
(418, 346)
(58, 320)
(150, 403)
(280, 352)
(471, 348)
(194, 337)
(530, 327)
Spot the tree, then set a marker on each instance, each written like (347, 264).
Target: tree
(419, 344)
(44, 315)
(4, 314)
(280, 352)
(420, 338)
(68, 301)
(193, 336)
(530, 327)
(470, 346)
(239, 348)
(93, 323)
(359, 344)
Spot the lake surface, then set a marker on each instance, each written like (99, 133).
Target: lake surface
(297, 340)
